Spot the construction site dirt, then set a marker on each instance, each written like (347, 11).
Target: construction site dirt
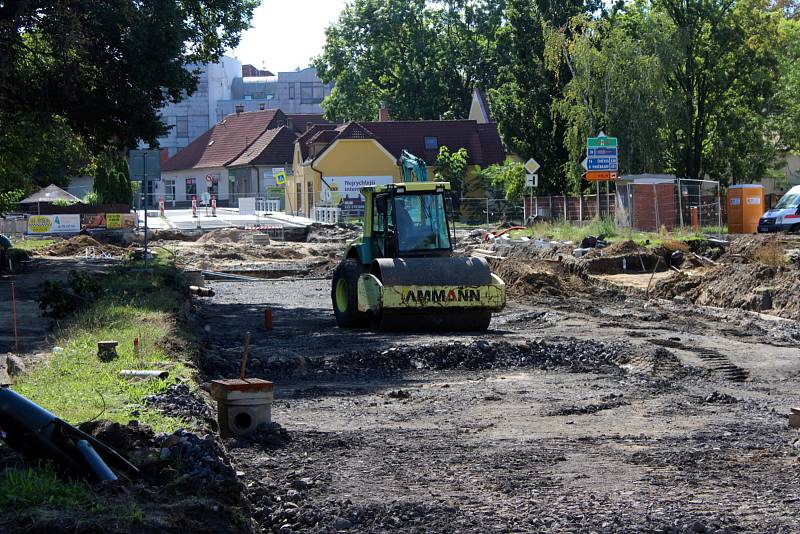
(626, 398)
(593, 410)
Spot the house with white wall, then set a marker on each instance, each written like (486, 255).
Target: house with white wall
(233, 159)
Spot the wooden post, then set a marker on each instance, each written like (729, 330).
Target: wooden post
(14, 315)
(580, 207)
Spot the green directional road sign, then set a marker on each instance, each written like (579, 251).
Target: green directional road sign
(596, 142)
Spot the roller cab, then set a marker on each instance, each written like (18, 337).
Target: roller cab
(401, 275)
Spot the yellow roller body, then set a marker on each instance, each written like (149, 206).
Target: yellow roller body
(431, 294)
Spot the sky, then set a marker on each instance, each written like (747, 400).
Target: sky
(285, 34)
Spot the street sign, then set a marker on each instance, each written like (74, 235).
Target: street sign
(279, 173)
(531, 180)
(601, 141)
(532, 166)
(584, 164)
(602, 163)
(601, 152)
(601, 176)
(141, 161)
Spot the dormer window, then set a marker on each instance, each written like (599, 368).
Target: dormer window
(431, 143)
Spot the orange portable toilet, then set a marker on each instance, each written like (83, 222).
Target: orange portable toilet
(745, 207)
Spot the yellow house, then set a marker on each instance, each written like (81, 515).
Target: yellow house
(332, 162)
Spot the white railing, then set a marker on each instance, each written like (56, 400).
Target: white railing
(269, 205)
(327, 215)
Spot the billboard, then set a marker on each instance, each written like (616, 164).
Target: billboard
(54, 224)
(345, 191)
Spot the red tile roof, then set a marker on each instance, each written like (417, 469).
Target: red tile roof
(273, 146)
(225, 141)
(300, 122)
(482, 141)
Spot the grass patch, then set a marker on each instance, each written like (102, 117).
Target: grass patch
(77, 386)
(33, 244)
(569, 231)
(26, 487)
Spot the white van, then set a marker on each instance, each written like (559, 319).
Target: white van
(785, 216)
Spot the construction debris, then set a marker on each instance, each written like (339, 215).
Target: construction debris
(39, 434)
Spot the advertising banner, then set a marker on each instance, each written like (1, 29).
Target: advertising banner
(118, 221)
(93, 221)
(345, 191)
(54, 224)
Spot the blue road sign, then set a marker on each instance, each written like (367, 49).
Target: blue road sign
(603, 151)
(602, 163)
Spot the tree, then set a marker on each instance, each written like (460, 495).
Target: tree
(508, 176)
(719, 58)
(615, 86)
(108, 69)
(452, 167)
(382, 51)
(33, 156)
(111, 182)
(422, 59)
(787, 117)
(522, 101)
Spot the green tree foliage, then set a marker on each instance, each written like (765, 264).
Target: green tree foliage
(9, 199)
(508, 177)
(82, 75)
(787, 98)
(420, 58)
(111, 182)
(108, 69)
(614, 86)
(720, 59)
(522, 101)
(34, 156)
(452, 167)
(687, 86)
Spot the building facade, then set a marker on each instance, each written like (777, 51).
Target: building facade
(292, 92)
(332, 162)
(236, 158)
(195, 114)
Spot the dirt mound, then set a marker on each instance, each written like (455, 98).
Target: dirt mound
(749, 286)
(526, 278)
(223, 235)
(174, 235)
(617, 249)
(751, 247)
(534, 250)
(332, 234)
(529, 278)
(82, 245)
(178, 400)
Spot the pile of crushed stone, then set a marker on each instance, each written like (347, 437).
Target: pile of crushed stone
(179, 401)
(80, 246)
(573, 354)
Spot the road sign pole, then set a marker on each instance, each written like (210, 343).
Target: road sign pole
(598, 200)
(144, 183)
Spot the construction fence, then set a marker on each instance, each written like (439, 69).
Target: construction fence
(648, 206)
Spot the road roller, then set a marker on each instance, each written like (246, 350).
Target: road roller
(401, 275)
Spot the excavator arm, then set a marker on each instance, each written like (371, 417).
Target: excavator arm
(414, 169)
